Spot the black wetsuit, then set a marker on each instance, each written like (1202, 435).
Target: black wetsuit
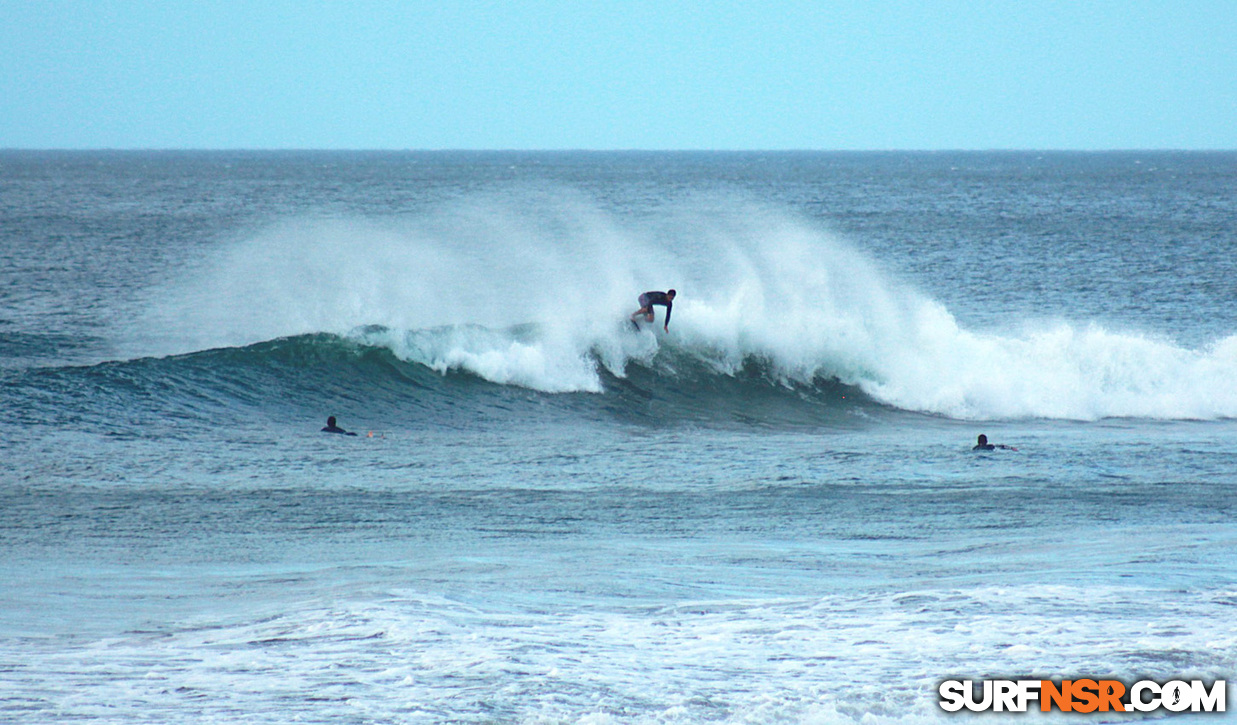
(337, 429)
(648, 299)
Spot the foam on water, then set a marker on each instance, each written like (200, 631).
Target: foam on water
(534, 292)
(841, 658)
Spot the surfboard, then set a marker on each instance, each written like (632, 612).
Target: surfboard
(639, 325)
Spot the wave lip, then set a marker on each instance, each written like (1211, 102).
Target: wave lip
(1058, 372)
(516, 356)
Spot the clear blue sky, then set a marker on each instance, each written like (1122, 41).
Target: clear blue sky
(658, 74)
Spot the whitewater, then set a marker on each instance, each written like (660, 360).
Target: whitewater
(770, 513)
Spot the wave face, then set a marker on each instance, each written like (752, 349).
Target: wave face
(362, 377)
(536, 295)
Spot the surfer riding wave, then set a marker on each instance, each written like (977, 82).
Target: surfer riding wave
(648, 300)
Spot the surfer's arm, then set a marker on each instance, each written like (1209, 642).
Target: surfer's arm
(669, 307)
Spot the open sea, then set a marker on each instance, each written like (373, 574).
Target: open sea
(770, 514)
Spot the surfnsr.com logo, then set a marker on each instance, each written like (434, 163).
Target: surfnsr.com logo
(1083, 695)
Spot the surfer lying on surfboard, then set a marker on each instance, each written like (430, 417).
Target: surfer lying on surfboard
(648, 299)
(984, 445)
(332, 428)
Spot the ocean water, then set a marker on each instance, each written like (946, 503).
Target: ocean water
(771, 514)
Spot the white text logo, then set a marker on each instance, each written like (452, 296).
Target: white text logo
(1082, 695)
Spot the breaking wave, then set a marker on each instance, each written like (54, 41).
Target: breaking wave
(536, 295)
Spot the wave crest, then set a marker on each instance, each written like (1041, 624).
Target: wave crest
(1059, 371)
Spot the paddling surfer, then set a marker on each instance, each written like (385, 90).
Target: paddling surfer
(332, 428)
(983, 445)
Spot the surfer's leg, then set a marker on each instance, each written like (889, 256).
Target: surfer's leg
(645, 307)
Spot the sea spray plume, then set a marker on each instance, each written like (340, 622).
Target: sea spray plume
(481, 261)
(794, 296)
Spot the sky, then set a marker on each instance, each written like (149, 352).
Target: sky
(618, 74)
